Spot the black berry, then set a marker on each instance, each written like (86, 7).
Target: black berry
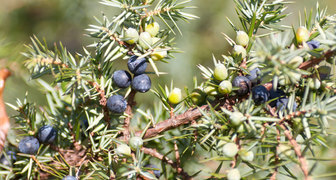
(243, 84)
(275, 95)
(29, 145)
(47, 134)
(255, 76)
(141, 83)
(116, 104)
(122, 78)
(137, 66)
(11, 158)
(260, 94)
(313, 44)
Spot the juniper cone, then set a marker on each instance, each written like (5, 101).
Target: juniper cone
(47, 134)
(275, 95)
(9, 160)
(260, 95)
(122, 78)
(137, 65)
(255, 76)
(29, 145)
(116, 104)
(243, 83)
(141, 83)
(313, 44)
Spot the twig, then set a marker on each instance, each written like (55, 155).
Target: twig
(185, 118)
(130, 104)
(156, 154)
(315, 61)
(102, 101)
(273, 177)
(297, 150)
(177, 155)
(234, 161)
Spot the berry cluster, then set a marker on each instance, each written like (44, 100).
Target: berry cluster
(136, 65)
(30, 145)
(147, 39)
(123, 79)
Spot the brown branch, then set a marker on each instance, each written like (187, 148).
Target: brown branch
(315, 61)
(128, 111)
(156, 154)
(177, 155)
(273, 177)
(234, 161)
(297, 150)
(185, 118)
(102, 101)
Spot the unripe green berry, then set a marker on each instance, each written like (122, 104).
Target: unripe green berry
(246, 155)
(158, 54)
(230, 149)
(210, 90)
(296, 61)
(135, 143)
(314, 83)
(237, 118)
(153, 29)
(198, 96)
(145, 40)
(233, 174)
(302, 35)
(242, 38)
(238, 49)
(225, 87)
(123, 149)
(175, 96)
(220, 72)
(132, 35)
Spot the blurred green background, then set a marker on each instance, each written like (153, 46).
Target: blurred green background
(65, 21)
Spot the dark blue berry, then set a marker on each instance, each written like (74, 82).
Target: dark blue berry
(137, 66)
(260, 94)
(275, 95)
(141, 83)
(155, 169)
(255, 76)
(313, 44)
(69, 178)
(282, 104)
(47, 134)
(122, 78)
(243, 84)
(11, 158)
(29, 145)
(116, 104)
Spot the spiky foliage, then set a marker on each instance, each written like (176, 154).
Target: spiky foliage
(268, 141)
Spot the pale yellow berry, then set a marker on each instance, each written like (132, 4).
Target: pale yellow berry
(175, 96)
(302, 35)
(242, 38)
(153, 29)
(220, 72)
